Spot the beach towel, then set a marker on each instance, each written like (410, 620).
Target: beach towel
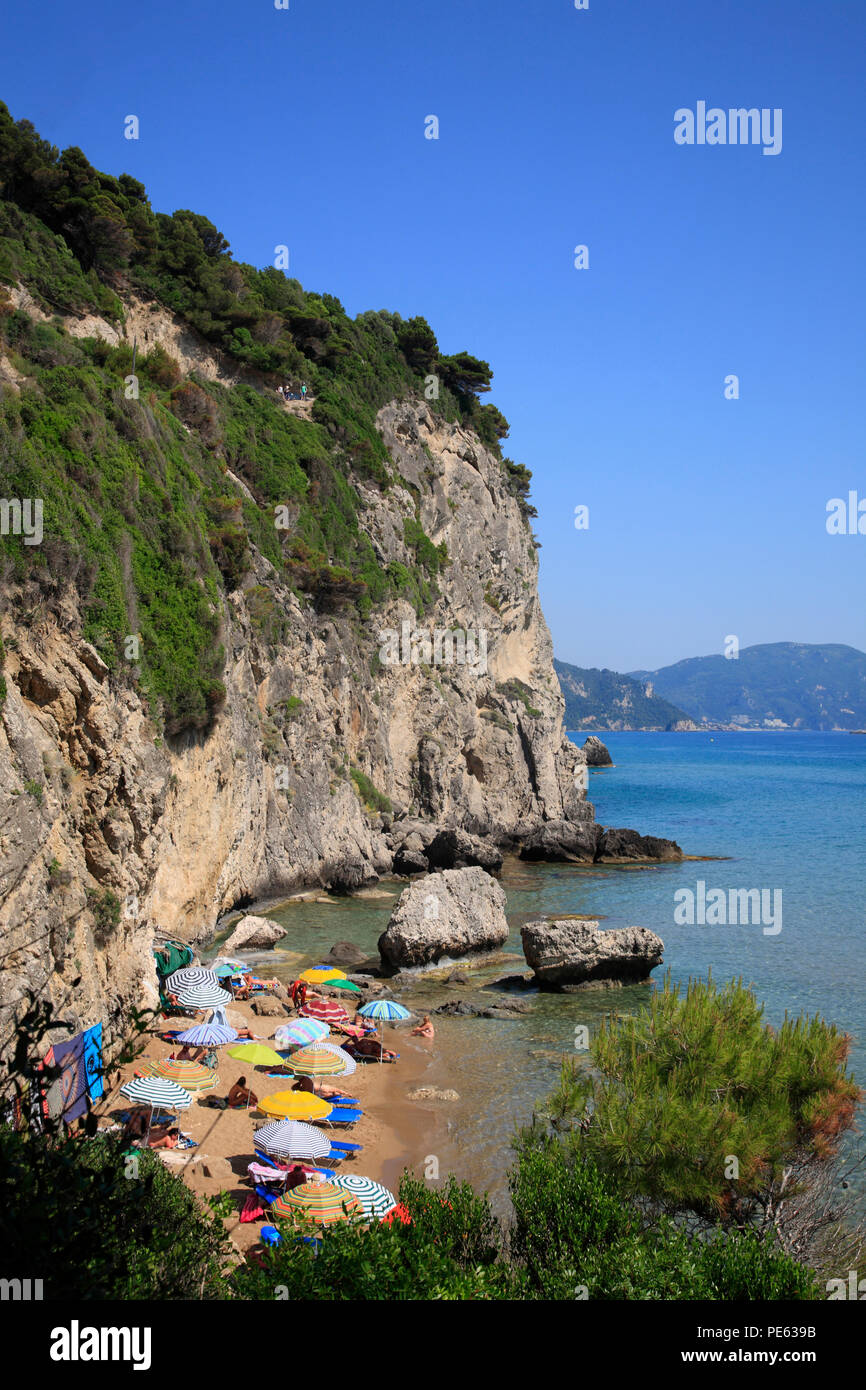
(252, 1209)
(93, 1061)
(69, 1056)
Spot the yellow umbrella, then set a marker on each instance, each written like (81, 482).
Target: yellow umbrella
(256, 1054)
(295, 1105)
(321, 977)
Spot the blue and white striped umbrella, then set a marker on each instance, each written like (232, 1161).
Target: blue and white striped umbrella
(157, 1091)
(203, 997)
(292, 1139)
(384, 1009)
(299, 1033)
(374, 1198)
(191, 976)
(208, 1035)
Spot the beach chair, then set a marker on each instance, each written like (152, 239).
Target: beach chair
(344, 1117)
(344, 1148)
(270, 1235)
(265, 1193)
(266, 1158)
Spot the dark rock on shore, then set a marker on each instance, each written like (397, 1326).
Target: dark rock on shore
(584, 842)
(595, 753)
(419, 846)
(568, 955)
(463, 1007)
(563, 841)
(345, 953)
(617, 845)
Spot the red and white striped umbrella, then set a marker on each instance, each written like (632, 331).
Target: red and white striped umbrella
(327, 1010)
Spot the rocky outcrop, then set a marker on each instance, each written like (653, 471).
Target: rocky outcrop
(458, 912)
(419, 847)
(595, 753)
(584, 842)
(566, 955)
(616, 846)
(253, 934)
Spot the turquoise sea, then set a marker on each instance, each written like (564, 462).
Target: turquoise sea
(786, 810)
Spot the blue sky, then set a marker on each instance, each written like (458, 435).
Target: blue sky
(306, 127)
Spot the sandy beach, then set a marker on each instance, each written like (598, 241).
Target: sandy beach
(395, 1132)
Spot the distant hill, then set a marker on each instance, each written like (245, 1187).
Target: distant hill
(606, 700)
(780, 685)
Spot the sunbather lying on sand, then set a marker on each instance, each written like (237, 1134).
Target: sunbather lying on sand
(368, 1049)
(306, 1083)
(167, 1139)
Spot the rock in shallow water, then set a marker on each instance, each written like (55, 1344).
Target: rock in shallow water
(455, 913)
(253, 933)
(567, 955)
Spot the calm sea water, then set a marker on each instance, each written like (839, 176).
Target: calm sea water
(788, 812)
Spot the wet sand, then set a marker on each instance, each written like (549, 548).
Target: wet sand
(395, 1132)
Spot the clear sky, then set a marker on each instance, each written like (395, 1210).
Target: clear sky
(305, 127)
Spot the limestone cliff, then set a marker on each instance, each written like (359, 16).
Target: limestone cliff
(334, 744)
(108, 831)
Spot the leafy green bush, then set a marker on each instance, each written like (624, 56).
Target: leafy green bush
(95, 1220)
(373, 800)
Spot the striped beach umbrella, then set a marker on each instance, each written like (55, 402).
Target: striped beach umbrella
(157, 1090)
(257, 1054)
(374, 1198)
(301, 1032)
(326, 1010)
(321, 975)
(317, 1059)
(350, 1066)
(231, 963)
(291, 1139)
(384, 1009)
(207, 1035)
(295, 1105)
(192, 1076)
(322, 1202)
(190, 977)
(204, 997)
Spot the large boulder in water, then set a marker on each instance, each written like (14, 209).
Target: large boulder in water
(567, 955)
(596, 754)
(252, 934)
(458, 912)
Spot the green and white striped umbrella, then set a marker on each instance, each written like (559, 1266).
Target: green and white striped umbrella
(374, 1198)
(157, 1091)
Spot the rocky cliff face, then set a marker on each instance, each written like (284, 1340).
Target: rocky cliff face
(331, 746)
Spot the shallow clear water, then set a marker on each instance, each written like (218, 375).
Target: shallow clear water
(789, 812)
